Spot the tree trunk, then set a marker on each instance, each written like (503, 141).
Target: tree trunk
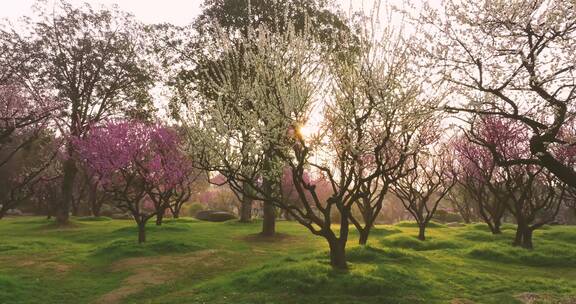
(523, 236)
(495, 226)
(62, 213)
(176, 212)
(246, 209)
(518, 237)
(527, 239)
(497, 229)
(288, 216)
(95, 210)
(269, 214)
(159, 217)
(141, 231)
(338, 254)
(367, 214)
(75, 207)
(364, 233)
(269, 219)
(95, 206)
(422, 232)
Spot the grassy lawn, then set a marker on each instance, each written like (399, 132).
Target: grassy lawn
(187, 261)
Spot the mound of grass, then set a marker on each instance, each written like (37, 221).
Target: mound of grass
(479, 236)
(315, 276)
(408, 242)
(412, 224)
(508, 226)
(31, 222)
(186, 220)
(484, 227)
(384, 231)
(10, 289)
(391, 282)
(124, 249)
(27, 246)
(368, 254)
(303, 277)
(479, 226)
(8, 247)
(277, 237)
(51, 225)
(94, 219)
(152, 228)
(562, 235)
(542, 256)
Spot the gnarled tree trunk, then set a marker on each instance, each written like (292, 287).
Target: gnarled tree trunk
(523, 236)
(422, 232)
(160, 217)
(269, 214)
(269, 219)
(246, 209)
(63, 210)
(363, 239)
(141, 231)
(338, 253)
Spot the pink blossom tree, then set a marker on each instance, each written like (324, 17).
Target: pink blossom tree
(477, 175)
(534, 194)
(289, 191)
(167, 172)
(138, 164)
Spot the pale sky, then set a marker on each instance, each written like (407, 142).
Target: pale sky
(179, 12)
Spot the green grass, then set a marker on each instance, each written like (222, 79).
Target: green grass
(187, 261)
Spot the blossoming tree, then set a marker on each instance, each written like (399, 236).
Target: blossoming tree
(514, 60)
(479, 177)
(139, 165)
(289, 76)
(421, 190)
(533, 193)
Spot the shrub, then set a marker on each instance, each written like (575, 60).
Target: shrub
(191, 209)
(444, 216)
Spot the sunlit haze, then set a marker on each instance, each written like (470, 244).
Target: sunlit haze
(180, 12)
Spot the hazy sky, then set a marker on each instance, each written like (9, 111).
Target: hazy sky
(179, 12)
(150, 11)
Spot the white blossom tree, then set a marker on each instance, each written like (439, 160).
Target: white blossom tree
(513, 59)
(370, 116)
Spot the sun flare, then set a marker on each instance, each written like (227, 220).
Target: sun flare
(307, 130)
